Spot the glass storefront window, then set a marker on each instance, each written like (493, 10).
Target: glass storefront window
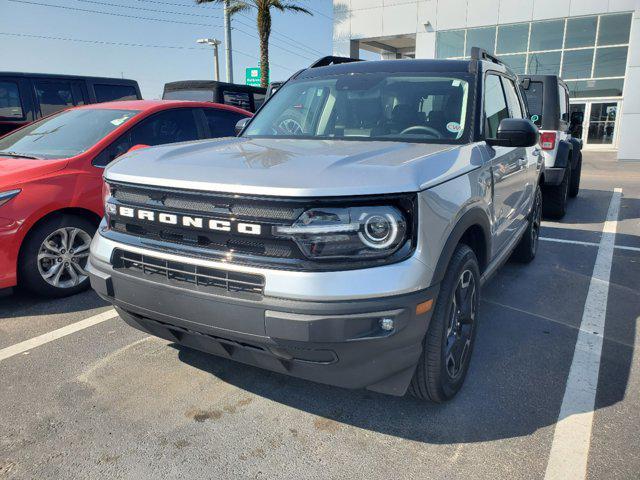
(450, 43)
(614, 29)
(546, 35)
(610, 62)
(581, 32)
(577, 63)
(481, 37)
(517, 63)
(512, 38)
(595, 88)
(546, 63)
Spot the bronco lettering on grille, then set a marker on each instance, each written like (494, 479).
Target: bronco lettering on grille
(189, 221)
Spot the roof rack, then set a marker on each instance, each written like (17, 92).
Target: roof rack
(478, 53)
(331, 60)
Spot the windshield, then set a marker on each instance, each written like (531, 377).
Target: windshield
(369, 106)
(64, 135)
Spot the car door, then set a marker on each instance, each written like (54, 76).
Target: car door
(509, 166)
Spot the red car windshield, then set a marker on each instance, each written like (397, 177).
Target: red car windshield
(64, 135)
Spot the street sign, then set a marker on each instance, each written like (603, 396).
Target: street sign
(252, 77)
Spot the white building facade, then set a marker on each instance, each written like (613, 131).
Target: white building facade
(594, 45)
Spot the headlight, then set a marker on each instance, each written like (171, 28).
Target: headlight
(8, 195)
(109, 208)
(355, 232)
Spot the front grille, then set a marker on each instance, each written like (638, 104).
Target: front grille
(194, 277)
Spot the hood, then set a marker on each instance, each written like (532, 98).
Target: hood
(292, 167)
(14, 171)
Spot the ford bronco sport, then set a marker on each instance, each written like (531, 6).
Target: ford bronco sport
(547, 97)
(344, 236)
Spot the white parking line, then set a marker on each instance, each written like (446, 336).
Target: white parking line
(572, 436)
(56, 334)
(587, 244)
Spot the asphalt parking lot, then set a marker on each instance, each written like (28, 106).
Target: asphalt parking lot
(107, 401)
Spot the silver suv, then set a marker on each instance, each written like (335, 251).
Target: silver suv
(344, 236)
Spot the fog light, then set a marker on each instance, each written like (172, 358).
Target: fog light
(386, 324)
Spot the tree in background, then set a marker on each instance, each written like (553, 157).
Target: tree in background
(263, 8)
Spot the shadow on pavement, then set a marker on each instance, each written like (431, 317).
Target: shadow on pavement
(21, 303)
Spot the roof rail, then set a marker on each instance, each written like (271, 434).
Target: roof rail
(331, 60)
(478, 53)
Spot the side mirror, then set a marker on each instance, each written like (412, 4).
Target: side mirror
(515, 132)
(137, 147)
(241, 124)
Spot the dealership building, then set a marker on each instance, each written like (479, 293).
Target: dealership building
(594, 45)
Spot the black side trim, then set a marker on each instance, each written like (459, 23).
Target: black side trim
(476, 216)
(564, 152)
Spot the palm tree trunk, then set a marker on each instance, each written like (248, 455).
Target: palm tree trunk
(264, 31)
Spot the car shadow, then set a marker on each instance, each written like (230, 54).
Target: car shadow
(21, 303)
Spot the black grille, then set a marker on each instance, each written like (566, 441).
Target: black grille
(196, 202)
(195, 277)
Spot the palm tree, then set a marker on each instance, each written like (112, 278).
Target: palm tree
(263, 8)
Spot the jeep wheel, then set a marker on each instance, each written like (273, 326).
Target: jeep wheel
(574, 186)
(528, 245)
(448, 344)
(554, 202)
(54, 256)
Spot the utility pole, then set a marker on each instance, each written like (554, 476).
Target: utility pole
(228, 51)
(214, 43)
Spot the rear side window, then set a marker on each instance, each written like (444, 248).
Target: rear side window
(221, 122)
(564, 103)
(112, 93)
(495, 105)
(10, 103)
(258, 100)
(237, 99)
(512, 98)
(534, 101)
(53, 96)
(195, 95)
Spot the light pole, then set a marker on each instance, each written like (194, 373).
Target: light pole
(227, 42)
(213, 42)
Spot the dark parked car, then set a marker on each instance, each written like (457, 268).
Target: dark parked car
(25, 97)
(241, 96)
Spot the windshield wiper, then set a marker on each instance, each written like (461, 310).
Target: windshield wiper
(20, 155)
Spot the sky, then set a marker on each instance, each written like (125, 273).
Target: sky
(68, 36)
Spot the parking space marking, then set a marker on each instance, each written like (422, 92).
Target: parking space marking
(56, 334)
(572, 435)
(587, 244)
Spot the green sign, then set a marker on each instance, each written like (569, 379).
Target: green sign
(252, 77)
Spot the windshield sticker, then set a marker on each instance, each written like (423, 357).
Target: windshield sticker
(119, 121)
(535, 118)
(454, 127)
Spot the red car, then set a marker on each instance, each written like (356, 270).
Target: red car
(51, 181)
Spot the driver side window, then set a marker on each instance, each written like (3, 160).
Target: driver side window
(178, 125)
(495, 105)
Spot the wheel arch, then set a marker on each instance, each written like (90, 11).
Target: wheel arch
(77, 211)
(474, 230)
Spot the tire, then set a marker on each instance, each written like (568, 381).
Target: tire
(38, 260)
(574, 186)
(554, 201)
(437, 377)
(527, 248)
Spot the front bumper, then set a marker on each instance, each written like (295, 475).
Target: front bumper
(334, 342)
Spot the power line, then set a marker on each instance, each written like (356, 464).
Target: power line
(126, 44)
(64, 7)
(150, 9)
(103, 42)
